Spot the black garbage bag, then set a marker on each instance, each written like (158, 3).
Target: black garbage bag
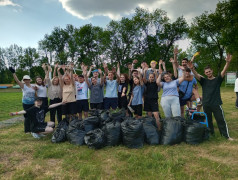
(172, 130)
(118, 116)
(104, 118)
(91, 123)
(132, 133)
(194, 132)
(59, 134)
(151, 131)
(113, 133)
(76, 132)
(95, 139)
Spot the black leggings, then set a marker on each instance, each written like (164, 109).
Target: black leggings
(237, 99)
(53, 110)
(27, 122)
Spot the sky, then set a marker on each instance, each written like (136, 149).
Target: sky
(25, 22)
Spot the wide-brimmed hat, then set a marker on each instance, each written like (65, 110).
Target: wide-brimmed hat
(25, 77)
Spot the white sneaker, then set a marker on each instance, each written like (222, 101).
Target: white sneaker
(41, 135)
(35, 135)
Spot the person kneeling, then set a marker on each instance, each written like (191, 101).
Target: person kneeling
(36, 115)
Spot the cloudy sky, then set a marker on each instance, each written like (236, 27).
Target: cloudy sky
(25, 22)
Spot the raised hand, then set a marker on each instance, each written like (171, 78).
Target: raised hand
(175, 50)
(49, 68)
(118, 65)
(171, 60)
(99, 71)
(190, 65)
(135, 61)
(228, 57)
(104, 65)
(160, 61)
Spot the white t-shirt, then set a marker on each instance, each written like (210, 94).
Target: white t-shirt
(81, 90)
(236, 85)
(41, 91)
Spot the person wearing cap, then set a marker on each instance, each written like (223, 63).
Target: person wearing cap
(28, 97)
(36, 116)
(180, 73)
(82, 96)
(96, 98)
(68, 92)
(54, 94)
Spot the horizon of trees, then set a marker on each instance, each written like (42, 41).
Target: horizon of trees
(145, 36)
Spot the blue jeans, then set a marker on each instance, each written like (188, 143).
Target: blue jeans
(171, 106)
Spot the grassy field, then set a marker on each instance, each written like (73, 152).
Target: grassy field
(22, 157)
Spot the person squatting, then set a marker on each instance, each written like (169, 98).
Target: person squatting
(136, 91)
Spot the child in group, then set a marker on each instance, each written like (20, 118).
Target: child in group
(36, 116)
(151, 96)
(82, 96)
(122, 91)
(111, 98)
(96, 97)
(137, 95)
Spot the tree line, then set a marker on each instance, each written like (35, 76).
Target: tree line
(145, 36)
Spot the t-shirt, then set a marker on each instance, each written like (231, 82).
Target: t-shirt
(36, 116)
(211, 94)
(189, 86)
(28, 95)
(96, 95)
(121, 86)
(41, 91)
(151, 90)
(170, 88)
(111, 89)
(98, 81)
(131, 85)
(81, 90)
(137, 95)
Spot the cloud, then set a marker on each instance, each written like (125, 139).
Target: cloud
(8, 3)
(115, 9)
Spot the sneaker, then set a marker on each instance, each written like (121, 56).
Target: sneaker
(230, 139)
(130, 108)
(41, 135)
(35, 135)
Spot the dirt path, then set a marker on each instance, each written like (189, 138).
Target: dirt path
(11, 122)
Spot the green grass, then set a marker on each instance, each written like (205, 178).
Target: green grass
(22, 157)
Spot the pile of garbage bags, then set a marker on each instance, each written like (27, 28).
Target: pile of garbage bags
(106, 128)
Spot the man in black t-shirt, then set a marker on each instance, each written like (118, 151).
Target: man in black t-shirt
(212, 97)
(36, 115)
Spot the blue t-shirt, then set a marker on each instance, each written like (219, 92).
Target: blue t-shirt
(183, 86)
(111, 89)
(170, 88)
(137, 95)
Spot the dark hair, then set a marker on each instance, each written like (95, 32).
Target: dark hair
(207, 67)
(134, 70)
(186, 59)
(43, 84)
(187, 69)
(81, 76)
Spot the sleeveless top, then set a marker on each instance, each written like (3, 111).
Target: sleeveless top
(28, 95)
(69, 93)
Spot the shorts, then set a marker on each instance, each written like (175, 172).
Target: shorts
(122, 102)
(39, 128)
(184, 101)
(96, 105)
(82, 105)
(110, 103)
(151, 105)
(137, 109)
(69, 108)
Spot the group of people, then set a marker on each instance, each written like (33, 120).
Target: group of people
(135, 91)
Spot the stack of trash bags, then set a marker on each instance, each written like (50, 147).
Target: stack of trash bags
(106, 128)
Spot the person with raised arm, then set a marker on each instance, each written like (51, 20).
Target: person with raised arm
(96, 97)
(170, 96)
(36, 116)
(212, 96)
(54, 94)
(28, 96)
(68, 92)
(136, 99)
(82, 94)
(151, 96)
